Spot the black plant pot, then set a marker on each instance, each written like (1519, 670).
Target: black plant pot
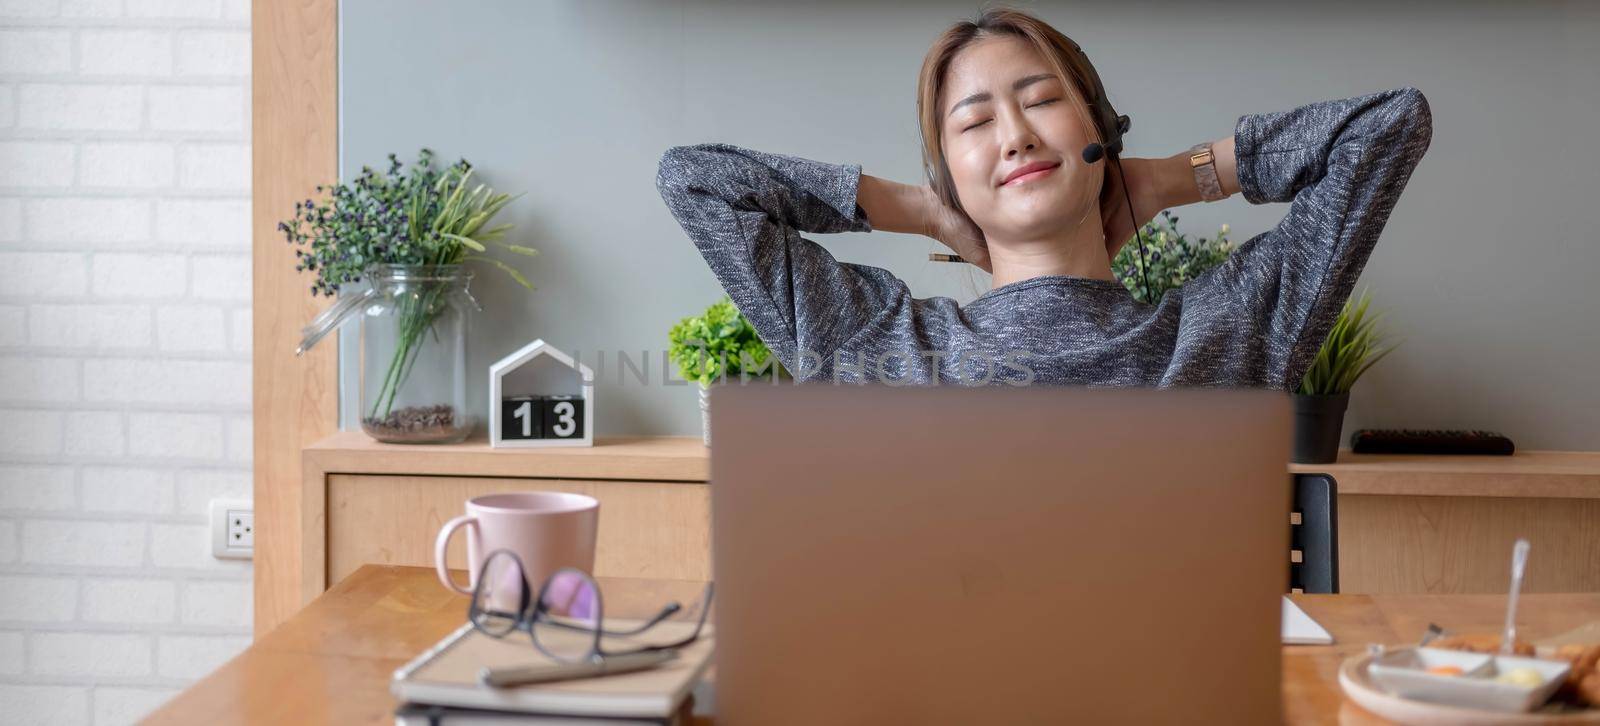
(1317, 423)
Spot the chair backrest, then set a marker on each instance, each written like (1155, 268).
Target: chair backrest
(1314, 535)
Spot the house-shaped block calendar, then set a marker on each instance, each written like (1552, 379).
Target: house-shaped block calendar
(540, 396)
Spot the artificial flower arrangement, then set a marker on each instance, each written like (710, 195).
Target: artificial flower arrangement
(418, 220)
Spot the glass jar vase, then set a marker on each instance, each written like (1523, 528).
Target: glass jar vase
(414, 354)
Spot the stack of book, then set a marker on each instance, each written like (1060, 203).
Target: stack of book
(441, 686)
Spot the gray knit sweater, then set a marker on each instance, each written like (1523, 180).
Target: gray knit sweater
(1256, 320)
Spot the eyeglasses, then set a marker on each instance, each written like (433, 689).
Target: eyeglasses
(566, 620)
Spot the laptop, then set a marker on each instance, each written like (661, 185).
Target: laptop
(1022, 555)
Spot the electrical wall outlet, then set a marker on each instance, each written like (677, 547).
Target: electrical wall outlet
(233, 529)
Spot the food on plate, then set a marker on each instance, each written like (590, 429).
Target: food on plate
(1481, 643)
(1582, 685)
(1526, 677)
(1587, 690)
(1582, 657)
(1583, 680)
(1446, 670)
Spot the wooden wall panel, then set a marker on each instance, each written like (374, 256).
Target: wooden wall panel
(294, 147)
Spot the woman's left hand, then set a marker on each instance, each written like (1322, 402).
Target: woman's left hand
(1143, 187)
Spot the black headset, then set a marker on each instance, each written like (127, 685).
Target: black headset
(1112, 128)
(1106, 117)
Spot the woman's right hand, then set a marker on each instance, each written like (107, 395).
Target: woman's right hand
(955, 230)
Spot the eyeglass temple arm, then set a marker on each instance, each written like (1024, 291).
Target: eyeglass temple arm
(685, 640)
(666, 612)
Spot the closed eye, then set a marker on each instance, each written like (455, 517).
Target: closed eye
(1031, 105)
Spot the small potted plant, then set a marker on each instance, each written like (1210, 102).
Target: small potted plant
(1171, 258)
(409, 233)
(720, 343)
(1319, 404)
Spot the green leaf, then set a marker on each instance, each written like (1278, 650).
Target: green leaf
(519, 249)
(468, 241)
(515, 275)
(1350, 349)
(494, 233)
(1370, 361)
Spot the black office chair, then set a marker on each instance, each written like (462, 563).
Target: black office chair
(1314, 534)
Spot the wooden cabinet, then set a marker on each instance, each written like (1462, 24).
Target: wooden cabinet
(1406, 524)
(1446, 524)
(361, 502)
(1462, 544)
(654, 529)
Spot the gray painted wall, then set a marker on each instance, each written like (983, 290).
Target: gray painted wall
(1485, 268)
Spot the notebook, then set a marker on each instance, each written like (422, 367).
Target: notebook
(1300, 629)
(447, 675)
(421, 714)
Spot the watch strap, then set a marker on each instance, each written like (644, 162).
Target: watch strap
(1205, 172)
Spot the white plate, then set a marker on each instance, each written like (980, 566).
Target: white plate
(1403, 672)
(1359, 687)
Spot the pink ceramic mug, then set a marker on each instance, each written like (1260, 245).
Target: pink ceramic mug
(547, 530)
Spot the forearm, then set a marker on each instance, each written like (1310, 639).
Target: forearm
(892, 206)
(1175, 178)
(745, 210)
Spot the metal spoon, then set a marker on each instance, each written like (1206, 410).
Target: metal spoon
(1519, 562)
(1433, 631)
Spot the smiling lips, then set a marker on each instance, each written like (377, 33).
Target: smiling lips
(1030, 172)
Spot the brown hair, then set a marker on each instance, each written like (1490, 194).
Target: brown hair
(1058, 51)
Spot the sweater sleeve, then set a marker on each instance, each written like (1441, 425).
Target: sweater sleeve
(744, 210)
(1342, 164)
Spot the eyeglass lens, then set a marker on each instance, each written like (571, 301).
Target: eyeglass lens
(501, 594)
(568, 627)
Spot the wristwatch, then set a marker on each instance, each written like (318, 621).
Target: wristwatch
(1205, 172)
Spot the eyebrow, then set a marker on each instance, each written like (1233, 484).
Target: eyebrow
(1021, 83)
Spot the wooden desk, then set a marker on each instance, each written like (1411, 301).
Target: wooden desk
(331, 662)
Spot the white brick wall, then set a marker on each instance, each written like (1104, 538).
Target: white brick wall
(125, 52)
(26, 276)
(125, 165)
(88, 107)
(35, 163)
(89, 326)
(35, 51)
(124, 350)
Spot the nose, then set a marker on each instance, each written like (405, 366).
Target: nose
(1019, 138)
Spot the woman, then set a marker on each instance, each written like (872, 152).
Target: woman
(1005, 116)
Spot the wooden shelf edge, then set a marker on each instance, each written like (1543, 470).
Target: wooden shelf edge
(1538, 474)
(652, 458)
(1525, 474)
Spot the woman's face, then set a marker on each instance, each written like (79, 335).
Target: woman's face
(1003, 109)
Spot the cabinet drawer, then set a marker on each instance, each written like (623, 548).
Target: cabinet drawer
(647, 529)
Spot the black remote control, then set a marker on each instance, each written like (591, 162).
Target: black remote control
(1413, 441)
